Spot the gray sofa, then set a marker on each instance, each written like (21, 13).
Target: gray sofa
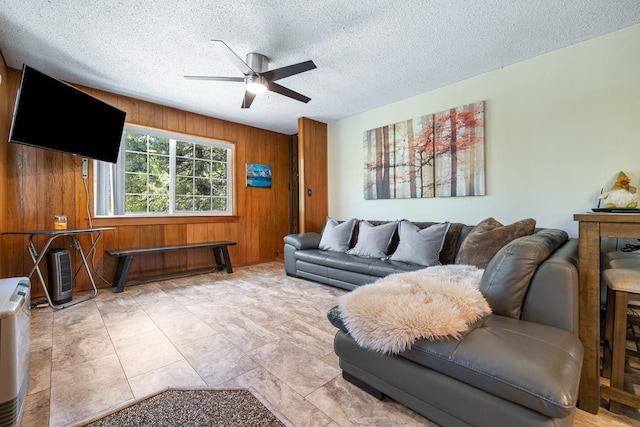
(519, 365)
(302, 258)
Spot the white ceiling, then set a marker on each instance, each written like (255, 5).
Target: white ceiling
(369, 53)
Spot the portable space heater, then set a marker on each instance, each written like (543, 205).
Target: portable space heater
(60, 275)
(15, 319)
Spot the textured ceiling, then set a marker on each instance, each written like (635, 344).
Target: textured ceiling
(369, 53)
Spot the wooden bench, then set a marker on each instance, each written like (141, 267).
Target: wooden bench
(125, 257)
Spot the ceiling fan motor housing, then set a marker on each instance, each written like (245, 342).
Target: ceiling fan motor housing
(257, 62)
(255, 83)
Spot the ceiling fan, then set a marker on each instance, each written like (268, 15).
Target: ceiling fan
(258, 79)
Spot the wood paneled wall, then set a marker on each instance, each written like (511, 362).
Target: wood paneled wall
(5, 122)
(40, 184)
(312, 161)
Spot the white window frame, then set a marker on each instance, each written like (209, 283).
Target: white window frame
(110, 204)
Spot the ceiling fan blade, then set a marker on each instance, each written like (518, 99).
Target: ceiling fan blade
(275, 87)
(248, 99)
(216, 79)
(289, 70)
(237, 61)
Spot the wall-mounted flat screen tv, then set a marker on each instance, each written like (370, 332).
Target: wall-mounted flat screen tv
(54, 115)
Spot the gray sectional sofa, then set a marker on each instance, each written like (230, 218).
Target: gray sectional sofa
(303, 258)
(518, 366)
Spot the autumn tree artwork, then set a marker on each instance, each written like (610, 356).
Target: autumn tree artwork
(433, 155)
(459, 146)
(399, 160)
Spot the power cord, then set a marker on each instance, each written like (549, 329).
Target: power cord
(39, 304)
(93, 255)
(86, 192)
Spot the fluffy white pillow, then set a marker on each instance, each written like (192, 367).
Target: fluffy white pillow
(418, 246)
(335, 236)
(373, 241)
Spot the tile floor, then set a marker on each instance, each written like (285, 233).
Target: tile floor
(256, 327)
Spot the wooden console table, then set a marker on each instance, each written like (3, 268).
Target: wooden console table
(592, 227)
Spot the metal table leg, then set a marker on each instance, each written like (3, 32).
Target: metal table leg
(37, 258)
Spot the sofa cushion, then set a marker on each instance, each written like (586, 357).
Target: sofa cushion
(373, 241)
(533, 365)
(356, 264)
(450, 247)
(488, 237)
(337, 236)
(507, 277)
(383, 268)
(418, 246)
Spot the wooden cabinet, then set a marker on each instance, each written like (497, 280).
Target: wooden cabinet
(312, 165)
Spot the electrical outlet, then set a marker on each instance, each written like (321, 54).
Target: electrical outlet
(85, 168)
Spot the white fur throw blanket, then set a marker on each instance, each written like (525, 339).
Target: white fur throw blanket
(390, 314)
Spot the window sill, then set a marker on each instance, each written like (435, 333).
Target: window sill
(160, 220)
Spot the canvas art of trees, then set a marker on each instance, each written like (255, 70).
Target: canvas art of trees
(433, 155)
(459, 144)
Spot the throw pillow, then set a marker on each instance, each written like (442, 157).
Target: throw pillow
(337, 236)
(418, 246)
(506, 279)
(373, 241)
(488, 237)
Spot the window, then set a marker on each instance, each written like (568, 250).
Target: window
(159, 173)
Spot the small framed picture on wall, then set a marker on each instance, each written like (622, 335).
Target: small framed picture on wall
(258, 175)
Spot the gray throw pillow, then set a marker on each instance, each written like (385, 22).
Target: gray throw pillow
(373, 241)
(418, 246)
(337, 236)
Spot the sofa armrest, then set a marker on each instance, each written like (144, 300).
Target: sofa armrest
(297, 242)
(303, 240)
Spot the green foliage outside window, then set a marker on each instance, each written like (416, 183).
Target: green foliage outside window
(201, 176)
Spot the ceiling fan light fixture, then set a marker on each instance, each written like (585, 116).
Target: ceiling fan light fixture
(258, 78)
(256, 84)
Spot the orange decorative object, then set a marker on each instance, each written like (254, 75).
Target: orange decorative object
(60, 222)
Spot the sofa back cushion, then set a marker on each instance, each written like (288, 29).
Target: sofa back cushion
(450, 247)
(488, 237)
(507, 277)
